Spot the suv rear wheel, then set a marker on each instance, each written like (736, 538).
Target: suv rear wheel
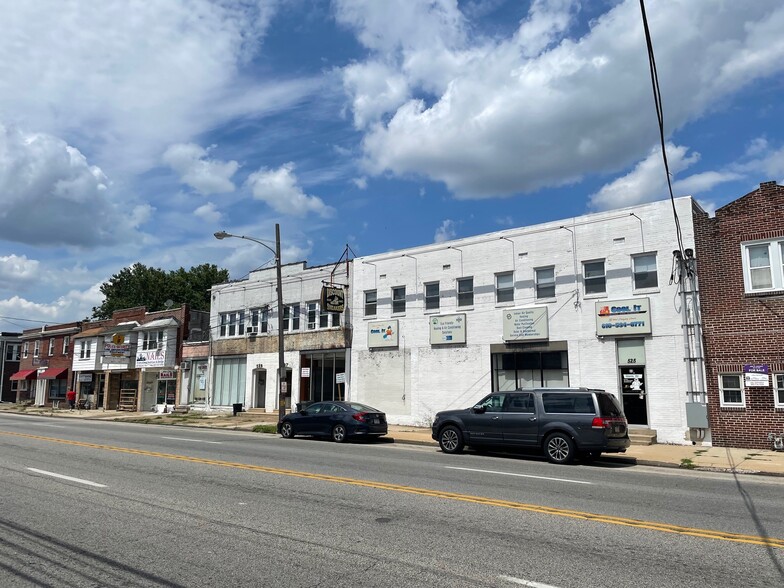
(559, 448)
(450, 439)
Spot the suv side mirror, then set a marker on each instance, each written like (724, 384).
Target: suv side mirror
(479, 409)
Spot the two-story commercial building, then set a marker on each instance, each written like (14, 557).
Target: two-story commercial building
(585, 301)
(10, 354)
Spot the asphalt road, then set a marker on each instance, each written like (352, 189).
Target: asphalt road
(147, 505)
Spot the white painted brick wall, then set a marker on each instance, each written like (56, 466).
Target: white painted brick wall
(436, 378)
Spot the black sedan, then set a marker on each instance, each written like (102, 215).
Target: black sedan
(338, 420)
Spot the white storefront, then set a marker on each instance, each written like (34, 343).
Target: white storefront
(585, 301)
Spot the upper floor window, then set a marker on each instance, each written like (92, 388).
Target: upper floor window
(465, 291)
(26, 349)
(778, 399)
(432, 296)
(370, 302)
(328, 319)
(291, 316)
(66, 344)
(545, 282)
(399, 299)
(259, 320)
(313, 309)
(504, 287)
(51, 346)
(594, 278)
(150, 340)
(731, 392)
(12, 352)
(644, 270)
(37, 348)
(232, 323)
(763, 266)
(84, 349)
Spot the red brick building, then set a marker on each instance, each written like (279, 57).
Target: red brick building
(45, 366)
(740, 260)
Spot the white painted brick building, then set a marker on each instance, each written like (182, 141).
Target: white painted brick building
(597, 260)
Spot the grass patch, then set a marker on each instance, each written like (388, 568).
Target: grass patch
(265, 429)
(700, 451)
(688, 464)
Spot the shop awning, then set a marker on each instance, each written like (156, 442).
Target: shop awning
(53, 374)
(24, 375)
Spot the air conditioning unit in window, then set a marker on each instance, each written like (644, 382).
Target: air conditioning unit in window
(252, 331)
(185, 365)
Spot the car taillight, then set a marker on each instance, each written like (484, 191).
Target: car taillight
(359, 416)
(601, 423)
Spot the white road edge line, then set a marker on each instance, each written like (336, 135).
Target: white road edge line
(528, 583)
(194, 440)
(520, 476)
(69, 478)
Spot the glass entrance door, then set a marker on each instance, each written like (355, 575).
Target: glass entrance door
(634, 395)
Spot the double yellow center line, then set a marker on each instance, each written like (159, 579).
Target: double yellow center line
(560, 512)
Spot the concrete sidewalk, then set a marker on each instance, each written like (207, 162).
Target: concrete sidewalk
(741, 461)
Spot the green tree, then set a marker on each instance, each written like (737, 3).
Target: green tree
(140, 285)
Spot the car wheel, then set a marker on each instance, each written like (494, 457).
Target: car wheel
(339, 433)
(450, 439)
(286, 430)
(559, 448)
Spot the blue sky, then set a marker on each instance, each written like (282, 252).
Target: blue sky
(133, 132)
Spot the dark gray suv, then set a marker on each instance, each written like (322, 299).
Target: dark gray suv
(563, 422)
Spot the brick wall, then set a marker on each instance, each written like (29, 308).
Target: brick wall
(740, 328)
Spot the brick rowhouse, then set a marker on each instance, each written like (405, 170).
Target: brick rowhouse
(740, 327)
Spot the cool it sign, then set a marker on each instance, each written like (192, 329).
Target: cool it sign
(623, 317)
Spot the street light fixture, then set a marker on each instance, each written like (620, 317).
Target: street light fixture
(281, 362)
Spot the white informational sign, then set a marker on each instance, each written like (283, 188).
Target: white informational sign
(756, 380)
(382, 334)
(151, 358)
(447, 329)
(85, 377)
(623, 317)
(340, 378)
(166, 375)
(526, 324)
(305, 372)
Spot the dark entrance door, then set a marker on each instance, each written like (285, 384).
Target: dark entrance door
(634, 395)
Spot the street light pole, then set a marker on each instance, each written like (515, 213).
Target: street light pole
(281, 359)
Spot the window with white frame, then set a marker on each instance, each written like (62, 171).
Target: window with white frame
(313, 309)
(778, 399)
(763, 266)
(644, 271)
(26, 349)
(432, 296)
(371, 299)
(84, 349)
(66, 344)
(150, 340)
(594, 279)
(259, 319)
(399, 299)
(51, 346)
(545, 282)
(465, 291)
(12, 352)
(37, 348)
(504, 287)
(731, 392)
(232, 324)
(328, 319)
(291, 316)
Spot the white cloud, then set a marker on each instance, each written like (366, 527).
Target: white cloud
(73, 306)
(492, 117)
(360, 183)
(279, 188)
(51, 195)
(207, 176)
(208, 213)
(446, 232)
(16, 270)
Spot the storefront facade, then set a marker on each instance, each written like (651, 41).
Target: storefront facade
(580, 302)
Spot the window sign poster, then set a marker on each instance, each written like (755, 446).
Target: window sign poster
(756, 376)
(448, 329)
(623, 317)
(305, 372)
(526, 324)
(383, 334)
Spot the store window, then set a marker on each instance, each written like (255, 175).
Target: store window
(465, 291)
(57, 389)
(504, 287)
(229, 380)
(533, 369)
(326, 380)
(731, 392)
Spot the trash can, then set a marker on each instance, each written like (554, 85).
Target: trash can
(237, 408)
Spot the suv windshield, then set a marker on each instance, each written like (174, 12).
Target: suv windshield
(608, 406)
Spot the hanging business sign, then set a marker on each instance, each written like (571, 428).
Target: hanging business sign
(166, 375)
(382, 334)
(526, 324)
(151, 358)
(447, 329)
(333, 299)
(82, 377)
(623, 317)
